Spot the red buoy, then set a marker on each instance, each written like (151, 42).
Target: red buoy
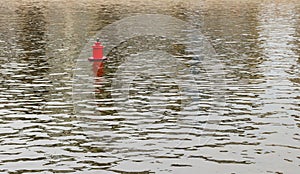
(97, 52)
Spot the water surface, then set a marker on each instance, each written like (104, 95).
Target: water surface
(158, 107)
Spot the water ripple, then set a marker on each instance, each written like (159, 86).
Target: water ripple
(174, 118)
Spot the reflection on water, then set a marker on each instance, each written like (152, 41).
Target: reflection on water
(162, 126)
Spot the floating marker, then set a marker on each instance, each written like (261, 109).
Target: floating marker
(97, 52)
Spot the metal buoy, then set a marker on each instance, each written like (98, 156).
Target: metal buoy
(97, 52)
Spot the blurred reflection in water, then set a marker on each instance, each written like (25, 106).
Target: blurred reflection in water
(257, 132)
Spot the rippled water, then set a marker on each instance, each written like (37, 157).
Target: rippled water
(203, 87)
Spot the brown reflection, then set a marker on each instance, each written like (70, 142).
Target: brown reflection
(32, 34)
(31, 39)
(107, 13)
(295, 68)
(232, 28)
(179, 10)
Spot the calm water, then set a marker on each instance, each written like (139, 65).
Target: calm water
(189, 87)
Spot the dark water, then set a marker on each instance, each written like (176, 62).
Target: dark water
(218, 93)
